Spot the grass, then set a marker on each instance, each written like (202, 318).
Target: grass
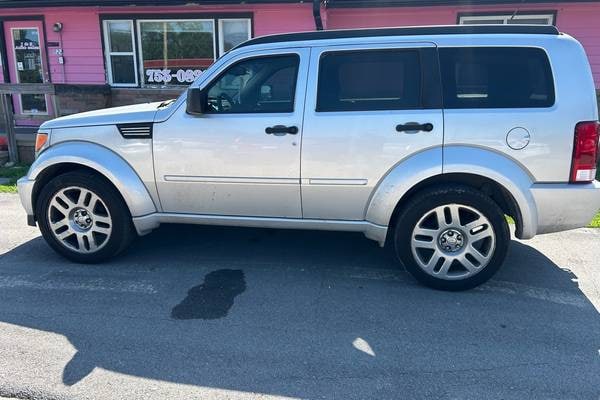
(596, 221)
(12, 173)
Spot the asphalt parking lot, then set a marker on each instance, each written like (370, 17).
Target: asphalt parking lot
(212, 312)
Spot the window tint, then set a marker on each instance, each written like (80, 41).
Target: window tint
(123, 69)
(369, 80)
(266, 84)
(496, 77)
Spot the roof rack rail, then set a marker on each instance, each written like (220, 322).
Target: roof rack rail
(404, 31)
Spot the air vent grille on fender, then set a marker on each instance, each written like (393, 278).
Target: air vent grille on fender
(136, 131)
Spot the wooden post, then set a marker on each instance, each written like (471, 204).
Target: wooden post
(13, 152)
(55, 105)
(7, 90)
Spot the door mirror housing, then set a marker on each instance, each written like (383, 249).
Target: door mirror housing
(196, 101)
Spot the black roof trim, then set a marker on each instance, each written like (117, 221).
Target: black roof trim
(405, 31)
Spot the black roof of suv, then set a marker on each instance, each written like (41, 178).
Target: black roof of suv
(405, 31)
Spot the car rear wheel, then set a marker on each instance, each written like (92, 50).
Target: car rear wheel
(83, 217)
(452, 237)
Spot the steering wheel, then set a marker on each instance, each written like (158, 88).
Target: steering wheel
(222, 98)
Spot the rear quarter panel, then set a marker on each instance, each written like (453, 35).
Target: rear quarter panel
(547, 158)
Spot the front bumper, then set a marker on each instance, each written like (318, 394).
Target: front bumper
(25, 189)
(562, 206)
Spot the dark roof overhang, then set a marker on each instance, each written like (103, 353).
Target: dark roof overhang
(328, 3)
(113, 3)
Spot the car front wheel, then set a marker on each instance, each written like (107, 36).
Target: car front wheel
(83, 217)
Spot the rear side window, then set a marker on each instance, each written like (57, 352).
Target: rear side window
(369, 80)
(496, 77)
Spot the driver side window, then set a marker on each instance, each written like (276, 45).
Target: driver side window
(256, 85)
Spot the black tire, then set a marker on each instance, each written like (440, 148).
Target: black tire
(122, 232)
(423, 202)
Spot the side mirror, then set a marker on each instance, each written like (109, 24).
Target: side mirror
(196, 101)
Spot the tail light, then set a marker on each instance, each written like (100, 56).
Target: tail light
(585, 152)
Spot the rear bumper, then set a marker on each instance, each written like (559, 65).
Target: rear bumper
(562, 206)
(25, 189)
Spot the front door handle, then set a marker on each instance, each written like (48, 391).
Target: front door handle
(280, 130)
(414, 127)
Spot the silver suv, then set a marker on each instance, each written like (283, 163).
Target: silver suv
(422, 138)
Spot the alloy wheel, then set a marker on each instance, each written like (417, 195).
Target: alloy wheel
(453, 241)
(79, 219)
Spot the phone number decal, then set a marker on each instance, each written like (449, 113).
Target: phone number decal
(167, 75)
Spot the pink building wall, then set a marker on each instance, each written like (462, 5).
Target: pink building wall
(82, 42)
(580, 20)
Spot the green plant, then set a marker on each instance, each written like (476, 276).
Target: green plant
(595, 222)
(12, 173)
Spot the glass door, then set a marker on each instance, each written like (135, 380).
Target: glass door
(27, 64)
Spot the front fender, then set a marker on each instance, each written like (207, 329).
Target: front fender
(457, 159)
(105, 162)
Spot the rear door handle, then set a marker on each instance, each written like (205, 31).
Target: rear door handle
(414, 127)
(280, 130)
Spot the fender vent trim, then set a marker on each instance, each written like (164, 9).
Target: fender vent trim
(136, 130)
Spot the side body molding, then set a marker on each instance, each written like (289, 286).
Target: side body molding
(457, 159)
(107, 163)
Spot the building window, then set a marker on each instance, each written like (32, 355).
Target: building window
(175, 51)
(508, 18)
(154, 52)
(232, 32)
(120, 54)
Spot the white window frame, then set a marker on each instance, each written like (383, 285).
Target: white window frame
(221, 41)
(139, 42)
(136, 40)
(108, 53)
(505, 17)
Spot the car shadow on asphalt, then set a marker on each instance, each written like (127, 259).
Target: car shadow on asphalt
(299, 313)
